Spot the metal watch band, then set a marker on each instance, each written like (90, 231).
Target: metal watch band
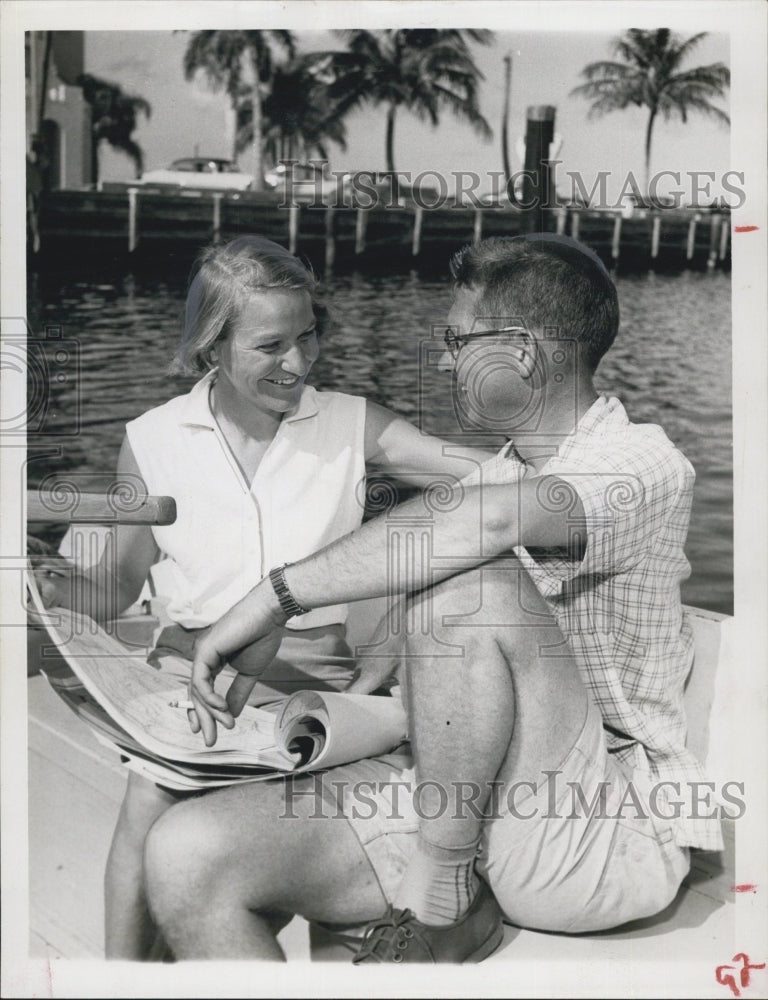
(287, 601)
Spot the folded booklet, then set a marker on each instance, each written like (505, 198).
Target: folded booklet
(141, 713)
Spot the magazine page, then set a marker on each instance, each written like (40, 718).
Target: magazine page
(148, 705)
(329, 728)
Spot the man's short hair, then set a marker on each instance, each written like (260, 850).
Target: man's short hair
(547, 281)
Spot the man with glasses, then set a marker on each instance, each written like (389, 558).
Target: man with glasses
(544, 699)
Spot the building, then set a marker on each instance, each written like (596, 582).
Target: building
(58, 120)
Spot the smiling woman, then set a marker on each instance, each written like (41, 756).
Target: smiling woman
(265, 470)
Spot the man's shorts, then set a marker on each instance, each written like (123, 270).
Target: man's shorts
(552, 862)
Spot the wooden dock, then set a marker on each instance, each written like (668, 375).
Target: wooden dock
(139, 221)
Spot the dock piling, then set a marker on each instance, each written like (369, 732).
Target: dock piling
(293, 227)
(217, 196)
(562, 219)
(724, 234)
(418, 217)
(330, 241)
(477, 233)
(714, 229)
(575, 225)
(691, 242)
(616, 239)
(361, 224)
(655, 237)
(132, 232)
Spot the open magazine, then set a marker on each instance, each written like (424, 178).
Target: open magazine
(140, 712)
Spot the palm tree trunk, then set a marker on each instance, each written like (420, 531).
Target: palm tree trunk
(648, 138)
(258, 164)
(390, 148)
(505, 116)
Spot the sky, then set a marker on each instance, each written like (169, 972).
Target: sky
(188, 117)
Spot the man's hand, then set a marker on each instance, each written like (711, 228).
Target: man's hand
(248, 637)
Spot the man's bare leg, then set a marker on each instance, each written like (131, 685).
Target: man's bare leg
(512, 705)
(221, 868)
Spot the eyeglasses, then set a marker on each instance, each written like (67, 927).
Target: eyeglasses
(455, 341)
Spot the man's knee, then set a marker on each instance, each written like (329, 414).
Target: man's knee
(492, 606)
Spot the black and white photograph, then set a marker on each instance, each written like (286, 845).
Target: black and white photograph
(454, 315)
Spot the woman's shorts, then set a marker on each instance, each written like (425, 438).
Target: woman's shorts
(316, 659)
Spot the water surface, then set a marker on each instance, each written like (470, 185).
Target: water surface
(670, 365)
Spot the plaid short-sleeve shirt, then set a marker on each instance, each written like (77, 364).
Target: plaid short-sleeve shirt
(620, 607)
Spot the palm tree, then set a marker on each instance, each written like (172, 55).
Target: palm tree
(650, 76)
(114, 118)
(228, 59)
(423, 70)
(299, 117)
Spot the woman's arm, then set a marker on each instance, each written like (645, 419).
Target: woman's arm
(105, 590)
(395, 447)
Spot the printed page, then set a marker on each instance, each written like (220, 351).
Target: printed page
(335, 728)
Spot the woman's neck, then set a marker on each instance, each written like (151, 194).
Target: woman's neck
(241, 415)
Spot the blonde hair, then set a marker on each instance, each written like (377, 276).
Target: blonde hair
(223, 279)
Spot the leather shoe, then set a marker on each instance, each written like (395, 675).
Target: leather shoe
(399, 937)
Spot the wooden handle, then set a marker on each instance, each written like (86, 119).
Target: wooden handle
(74, 507)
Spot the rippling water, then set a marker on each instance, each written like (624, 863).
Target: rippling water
(671, 364)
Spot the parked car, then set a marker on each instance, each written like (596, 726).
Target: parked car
(308, 182)
(200, 172)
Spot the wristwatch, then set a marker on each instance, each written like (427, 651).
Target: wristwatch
(288, 602)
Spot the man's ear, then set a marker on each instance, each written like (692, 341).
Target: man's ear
(526, 354)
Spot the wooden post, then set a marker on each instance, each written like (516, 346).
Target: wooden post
(691, 243)
(330, 242)
(217, 196)
(655, 237)
(562, 219)
(616, 241)
(361, 224)
(417, 221)
(293, 226)
(575, 225)
(714, 229)
(539, 133)
(725, 231)
(132, 237)
(477, 235)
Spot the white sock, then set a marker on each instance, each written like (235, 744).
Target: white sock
(439, 884)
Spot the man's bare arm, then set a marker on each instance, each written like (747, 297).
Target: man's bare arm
(486, 522)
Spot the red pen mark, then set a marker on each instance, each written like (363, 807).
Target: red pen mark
(723, 974)
(744, 229)
(745, 887)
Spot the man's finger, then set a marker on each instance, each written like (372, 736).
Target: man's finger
(194, 722)
(238, 693)
(205, 719)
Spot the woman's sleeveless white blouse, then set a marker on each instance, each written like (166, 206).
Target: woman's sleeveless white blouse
(307, 492)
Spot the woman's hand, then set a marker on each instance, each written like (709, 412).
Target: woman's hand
(383, 661)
